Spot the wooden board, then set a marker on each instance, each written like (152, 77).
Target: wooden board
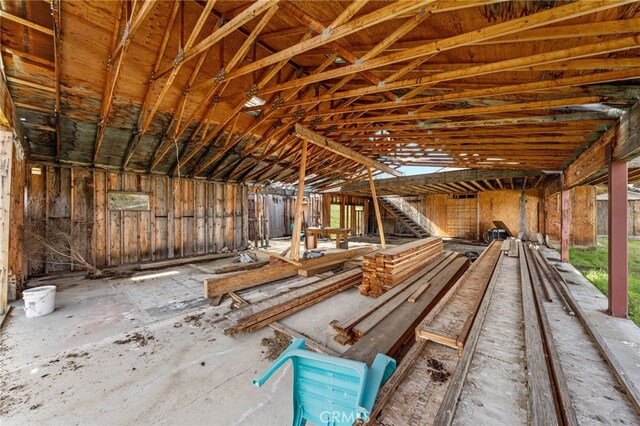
(390, 334)
(242, 266)
(241, 280)
(313, 270)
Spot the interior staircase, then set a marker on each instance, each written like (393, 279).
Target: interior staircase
(405, 216)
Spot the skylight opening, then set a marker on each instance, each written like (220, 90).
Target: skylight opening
(254, 102)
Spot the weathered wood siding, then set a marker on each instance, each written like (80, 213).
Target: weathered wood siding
(583, 216)
(633, 217)
(186, 217)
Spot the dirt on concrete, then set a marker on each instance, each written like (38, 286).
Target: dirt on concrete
(139, 338)
(275, 345)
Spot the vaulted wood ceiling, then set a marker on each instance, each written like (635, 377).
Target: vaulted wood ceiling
(158, 86)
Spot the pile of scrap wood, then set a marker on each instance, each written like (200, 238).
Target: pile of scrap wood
(388, 323)
(385, 269)
(241, 280)
(255, 316)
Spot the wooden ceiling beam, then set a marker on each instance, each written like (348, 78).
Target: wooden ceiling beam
(422, 83)
(22, 21)
(179, 62)
(545, 85)
(330, 145)
(521, 106)
(317, 27)
(113, 75)
(31, 84)
(556, 32)
(235, 60)
(444, 178)
(549, 16)
(330, 34)
(135, 137)
(238, 21)
(259, 122)
(28, 56)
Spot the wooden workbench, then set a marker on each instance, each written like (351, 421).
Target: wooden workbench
(338, 232)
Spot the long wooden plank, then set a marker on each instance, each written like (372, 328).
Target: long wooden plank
(241, 280)
(237, 267)
(335, 147)
(288, 303)
(311, 344)
(563, 396)
(184, 260)
(447, 409)
(541, 402)
(314, 270)
(366, 325)
(344, 325)
(389, 335)
(313, 284)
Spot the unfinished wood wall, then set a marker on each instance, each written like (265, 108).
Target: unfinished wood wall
(461, 217)
(186, 217)
(582, 201)
(633, 217)
(519, 210)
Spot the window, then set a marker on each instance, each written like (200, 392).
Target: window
(128, 201)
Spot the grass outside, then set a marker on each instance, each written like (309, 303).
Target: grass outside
(593, 265)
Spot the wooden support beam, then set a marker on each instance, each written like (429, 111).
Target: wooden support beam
(297, 218)
(618, 287)
(440, 178)
(237, 57)
(238, 21)
(454, 112)
(377, 209)
(565, 223)
(620, 143)
(330, 145)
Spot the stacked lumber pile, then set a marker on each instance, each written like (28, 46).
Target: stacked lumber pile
(385, 269)
(255, 316)
(389, 322)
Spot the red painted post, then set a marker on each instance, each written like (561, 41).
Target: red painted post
(564, 225)
(618, 255)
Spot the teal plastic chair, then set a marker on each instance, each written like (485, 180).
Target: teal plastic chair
(330, 391)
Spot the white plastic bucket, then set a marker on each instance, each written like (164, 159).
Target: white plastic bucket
(39, 301)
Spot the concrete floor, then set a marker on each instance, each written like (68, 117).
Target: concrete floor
(149, 352)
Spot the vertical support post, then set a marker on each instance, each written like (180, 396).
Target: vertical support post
(297, 219)
(6, 159)
(618, 254)
(377, 209)
(564, 225)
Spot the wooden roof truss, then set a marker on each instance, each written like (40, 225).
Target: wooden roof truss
(224, 90)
